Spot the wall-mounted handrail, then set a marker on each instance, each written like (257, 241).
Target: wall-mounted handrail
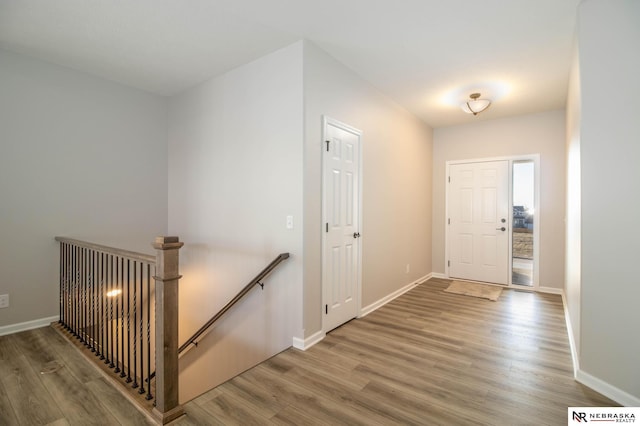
(240, 295)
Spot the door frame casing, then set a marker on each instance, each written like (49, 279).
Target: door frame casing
(536, 205)
(326, 121)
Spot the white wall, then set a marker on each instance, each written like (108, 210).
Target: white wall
(396, 228)
(573, 204)
(79, 157)
(235, 173)
(609, 36)
(542, 133)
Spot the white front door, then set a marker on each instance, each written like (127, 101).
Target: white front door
(479, 221)
(341, 233)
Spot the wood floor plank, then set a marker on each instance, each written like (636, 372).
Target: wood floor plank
(197, 416)
(61, 422)
(73, 360)
(256, 398)
(79, 406)
(229, 409)
(301, 396)
(32, 404)
(294, 415)
(344, 377)
(7, 415)
(112, 400)
(41, 376)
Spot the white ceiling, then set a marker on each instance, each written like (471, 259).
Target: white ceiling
(427, 55)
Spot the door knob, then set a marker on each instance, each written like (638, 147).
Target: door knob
(356, 234)
(501, 229)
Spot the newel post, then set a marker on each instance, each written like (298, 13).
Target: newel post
(167, 276)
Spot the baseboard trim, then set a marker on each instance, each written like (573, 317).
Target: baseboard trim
(28, 325)
(438, 275)
(598, 385)
(375, 305)
(550, 290)
(304, 344)
(610, 391)
(572, 342)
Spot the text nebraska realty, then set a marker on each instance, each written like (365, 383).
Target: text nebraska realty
(604, 417)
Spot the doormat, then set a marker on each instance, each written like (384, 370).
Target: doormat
(483, 291)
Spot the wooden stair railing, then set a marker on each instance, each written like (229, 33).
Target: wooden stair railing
(105, 306)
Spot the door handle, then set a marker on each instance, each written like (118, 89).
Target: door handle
(356, 235)
(501, 229)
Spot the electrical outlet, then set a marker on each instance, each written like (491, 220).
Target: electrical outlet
(4, 301)
(408, 268)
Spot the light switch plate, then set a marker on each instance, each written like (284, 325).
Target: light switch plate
(4, 301)
(289, 222)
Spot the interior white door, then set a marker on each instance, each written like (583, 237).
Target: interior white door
(341, 242)
(479, 221)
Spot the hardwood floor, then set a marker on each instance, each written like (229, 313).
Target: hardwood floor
(45, 381)
(426, 358)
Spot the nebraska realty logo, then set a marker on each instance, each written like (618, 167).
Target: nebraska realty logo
(581, 415)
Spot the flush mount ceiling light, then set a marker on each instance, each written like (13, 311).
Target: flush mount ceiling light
(475, 105)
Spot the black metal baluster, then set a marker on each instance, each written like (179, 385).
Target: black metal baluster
(135, 324)
(116, 297)
(86, 287)
(69, 300)
(79, 280)
(92, 301)
(76, 291)
(87, 329)
(74, 296)
(63, 295)
(111, 283)
(78, 273)
(122, 374)
(61, 271)
(149, 395)
(80, 285)
(101, 296)
(95, 311)
(70, 288)
(141, 390)
(87, 308)
(96, 304)
(83, 295)
(68, 295)
(129, 320)
(85, 299)
(87, 294)
(107, 300)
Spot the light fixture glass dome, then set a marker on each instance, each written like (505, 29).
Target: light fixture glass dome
(475, 105)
